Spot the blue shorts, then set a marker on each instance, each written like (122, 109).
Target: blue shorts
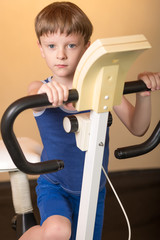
(54, 200)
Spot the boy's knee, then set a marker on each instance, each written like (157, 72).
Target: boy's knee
(56, 227)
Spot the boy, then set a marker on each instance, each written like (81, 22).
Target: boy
(64, 32)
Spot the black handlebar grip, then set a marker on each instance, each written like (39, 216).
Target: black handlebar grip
(140, 149)
(10, 139)
(135, 86)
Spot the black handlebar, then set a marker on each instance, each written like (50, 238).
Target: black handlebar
(35, 101)
(140, 149)
(10, 139)
(134, 87)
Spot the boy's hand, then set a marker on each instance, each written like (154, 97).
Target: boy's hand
(57, 93)
(152, 81)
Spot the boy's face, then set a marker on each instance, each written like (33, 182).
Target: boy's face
(62, 53)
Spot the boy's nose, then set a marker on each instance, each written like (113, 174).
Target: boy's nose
(61, 54)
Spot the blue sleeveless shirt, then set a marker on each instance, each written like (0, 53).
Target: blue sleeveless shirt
(61, 145)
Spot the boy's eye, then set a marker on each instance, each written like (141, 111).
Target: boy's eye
(51, 46)
(71, 45)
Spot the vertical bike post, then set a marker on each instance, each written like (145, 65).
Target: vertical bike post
(92, 175)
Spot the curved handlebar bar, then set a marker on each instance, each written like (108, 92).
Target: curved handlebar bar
(11, 142)
(140, 149)
(35, 101)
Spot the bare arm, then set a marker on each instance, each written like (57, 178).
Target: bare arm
(34, 87)
(137, 118)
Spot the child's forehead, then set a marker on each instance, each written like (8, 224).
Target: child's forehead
(63, 36)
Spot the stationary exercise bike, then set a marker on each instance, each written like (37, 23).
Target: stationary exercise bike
(117, 61)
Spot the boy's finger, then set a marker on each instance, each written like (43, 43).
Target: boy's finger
(47, 90)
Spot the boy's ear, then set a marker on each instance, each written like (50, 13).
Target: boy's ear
(41, 49)
(88, 44)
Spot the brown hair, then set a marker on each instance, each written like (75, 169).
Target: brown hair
(64, 16)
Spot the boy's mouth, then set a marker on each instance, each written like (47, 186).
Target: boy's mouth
(61, 65)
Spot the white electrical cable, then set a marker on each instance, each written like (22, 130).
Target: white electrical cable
(119, 201)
